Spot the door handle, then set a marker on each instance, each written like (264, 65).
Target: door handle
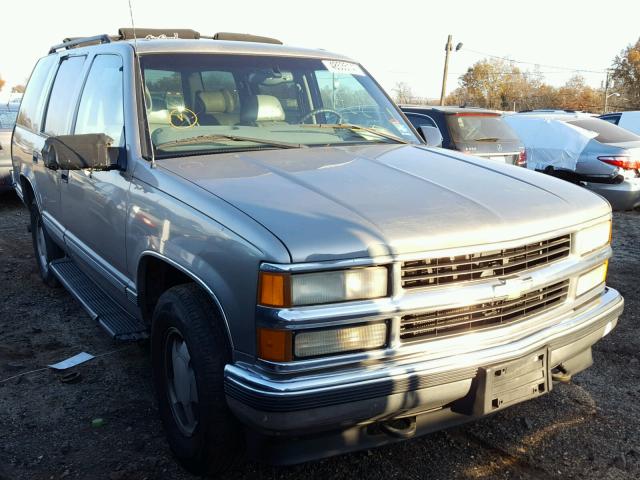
(64, 177)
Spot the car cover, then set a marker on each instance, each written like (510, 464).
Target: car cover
(550, 141)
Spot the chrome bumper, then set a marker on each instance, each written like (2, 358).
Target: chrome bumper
(380, 391)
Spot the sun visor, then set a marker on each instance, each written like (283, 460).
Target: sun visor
(550, 142)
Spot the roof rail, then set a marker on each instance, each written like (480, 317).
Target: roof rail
(76, 42)
(245, 37)
(150, 33)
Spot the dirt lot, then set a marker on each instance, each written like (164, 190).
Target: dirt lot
(588, 430)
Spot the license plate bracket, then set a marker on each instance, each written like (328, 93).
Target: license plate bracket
(505, 384)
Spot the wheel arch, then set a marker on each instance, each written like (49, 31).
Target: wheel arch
(148, 297)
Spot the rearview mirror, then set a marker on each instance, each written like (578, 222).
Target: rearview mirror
(78, 152)
(432, 136)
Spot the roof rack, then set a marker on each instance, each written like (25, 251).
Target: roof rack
(75, 42)
(159, 33)
(245, 37)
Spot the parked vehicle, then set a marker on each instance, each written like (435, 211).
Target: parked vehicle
(8, 113)
(312, 284)
(475, 131)
(627, 120)
(585, 150)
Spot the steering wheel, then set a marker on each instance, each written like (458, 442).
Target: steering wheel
(313, 113)
(183, 118)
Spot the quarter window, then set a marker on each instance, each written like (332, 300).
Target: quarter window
(101, 105)
(63, 95)
(33, 99)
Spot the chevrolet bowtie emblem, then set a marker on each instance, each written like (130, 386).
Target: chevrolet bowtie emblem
(512, 288)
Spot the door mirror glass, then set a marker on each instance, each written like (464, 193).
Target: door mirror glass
(78, 152)
(432, 136)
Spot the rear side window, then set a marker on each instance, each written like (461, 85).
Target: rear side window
(465, 128)
(615, 119)
(63, 94)
(607, 132)
(34, 97)
(101, 105)
(418, 120)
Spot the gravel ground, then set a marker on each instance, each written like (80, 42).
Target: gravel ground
(589, 429)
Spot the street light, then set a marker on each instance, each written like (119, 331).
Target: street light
(606, 100)
(447, 48)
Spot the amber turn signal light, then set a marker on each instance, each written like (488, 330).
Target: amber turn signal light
(274, 289)
(274, 345)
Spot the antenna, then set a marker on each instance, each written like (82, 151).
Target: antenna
(135, 48)
(133, 25)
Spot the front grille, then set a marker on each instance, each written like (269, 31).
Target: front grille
(441, 323)
(477, 266)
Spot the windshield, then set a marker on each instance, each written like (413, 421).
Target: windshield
(607, 132)
(477, 127)
(220, 103)
(7, 118)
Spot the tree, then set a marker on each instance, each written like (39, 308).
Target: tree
(402, 93)
(1, 83)
(626, 75)
(18, 89)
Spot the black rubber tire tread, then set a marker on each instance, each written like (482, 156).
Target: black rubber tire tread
(217, 440)
(53, 251)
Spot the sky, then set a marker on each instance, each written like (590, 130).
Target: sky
(400, 41)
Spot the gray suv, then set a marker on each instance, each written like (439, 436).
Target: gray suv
(313, 278)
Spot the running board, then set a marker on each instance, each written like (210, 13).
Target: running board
(118, 323)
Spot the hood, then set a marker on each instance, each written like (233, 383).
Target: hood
(329, 203)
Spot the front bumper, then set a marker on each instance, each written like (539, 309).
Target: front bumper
(349, 400)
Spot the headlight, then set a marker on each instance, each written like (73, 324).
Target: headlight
(592, 238)
(285, 346)
(285, 290)
(591, 279)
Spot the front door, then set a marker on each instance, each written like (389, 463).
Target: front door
(94, 203)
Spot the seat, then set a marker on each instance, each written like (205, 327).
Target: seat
(216, 108)
(262, 110)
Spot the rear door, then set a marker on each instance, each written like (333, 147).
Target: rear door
(94, 202)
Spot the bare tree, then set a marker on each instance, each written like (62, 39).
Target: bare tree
(402, 93)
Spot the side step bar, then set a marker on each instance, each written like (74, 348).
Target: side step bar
(117, 322)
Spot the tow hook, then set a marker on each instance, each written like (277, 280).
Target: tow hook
(400, 428)
(560, 374)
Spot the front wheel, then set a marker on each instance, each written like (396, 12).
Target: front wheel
(189, 350)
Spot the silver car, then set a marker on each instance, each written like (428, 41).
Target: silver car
(8, 113)
(313, 278)
(597, 154)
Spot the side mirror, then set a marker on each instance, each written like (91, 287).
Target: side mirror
(432, 136)
(78, 152)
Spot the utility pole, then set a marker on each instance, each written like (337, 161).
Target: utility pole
(448, 48)
(606, 93)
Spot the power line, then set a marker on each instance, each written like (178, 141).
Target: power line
(507, 59)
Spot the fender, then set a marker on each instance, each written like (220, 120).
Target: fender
(194, 277)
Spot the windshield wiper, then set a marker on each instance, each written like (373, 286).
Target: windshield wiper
(357, 128)
(217, 137)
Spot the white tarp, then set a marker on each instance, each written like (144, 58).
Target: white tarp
(630, 121)
(550, 141)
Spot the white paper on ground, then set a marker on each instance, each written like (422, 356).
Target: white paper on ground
(72, 361)
(550, 141)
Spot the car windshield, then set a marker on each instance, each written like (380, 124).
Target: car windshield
(479, 127)
(212, 103)
(7, 118)
(607, 132)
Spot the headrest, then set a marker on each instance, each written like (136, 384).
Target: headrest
(219, 101)
(262, 108)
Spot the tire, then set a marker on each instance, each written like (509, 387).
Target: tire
(189, 350)
(44, 249)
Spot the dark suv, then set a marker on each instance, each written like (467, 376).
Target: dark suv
(482, 133)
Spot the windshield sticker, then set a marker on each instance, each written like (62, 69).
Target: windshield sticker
(346, 68)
